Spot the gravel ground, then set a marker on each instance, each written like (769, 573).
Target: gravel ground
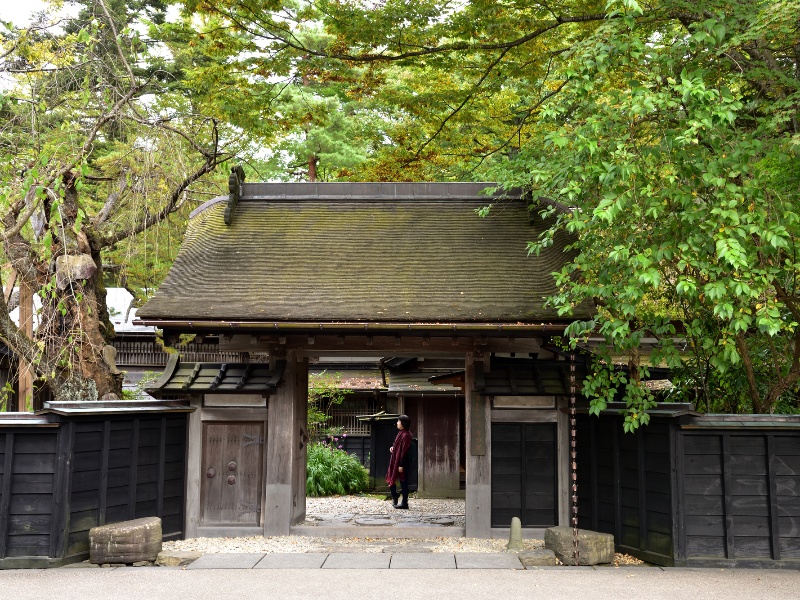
(362, 505)
(378, 505)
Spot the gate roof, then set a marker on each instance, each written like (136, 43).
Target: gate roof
(413, 253)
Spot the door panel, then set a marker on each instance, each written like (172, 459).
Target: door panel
(233, 473)
(524, 482)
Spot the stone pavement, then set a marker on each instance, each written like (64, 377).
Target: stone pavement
(356, 560)
(579, 583)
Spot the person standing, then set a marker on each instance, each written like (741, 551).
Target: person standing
(399, 461)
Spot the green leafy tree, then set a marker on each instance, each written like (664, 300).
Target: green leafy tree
(664, 134)
(672, 154)
(94, 151)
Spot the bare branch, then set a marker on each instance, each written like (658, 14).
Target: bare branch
(111, 201)
(116, 40)
(290, 41)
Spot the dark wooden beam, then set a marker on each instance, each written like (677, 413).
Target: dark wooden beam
(389, 344)
(6, 492)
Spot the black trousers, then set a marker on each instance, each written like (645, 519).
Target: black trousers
(403, 489)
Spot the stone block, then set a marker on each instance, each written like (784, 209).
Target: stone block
(423, 561)
(595, 548)
(243, 560)
(486, 560)
(178, 558)
(126, 542)
(515, 536)
(540, 557)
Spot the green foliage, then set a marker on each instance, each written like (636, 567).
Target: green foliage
(96, 149)
(332, 471)
(680, 168)
(324, 392)
(666, 139)
(138, 393)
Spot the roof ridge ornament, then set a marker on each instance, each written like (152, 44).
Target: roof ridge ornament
(235, 181)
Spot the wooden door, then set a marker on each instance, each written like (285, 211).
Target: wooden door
(440, 446)
(233, 473)
(524, 481)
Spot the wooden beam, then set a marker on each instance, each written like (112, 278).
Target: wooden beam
(396, 345)
(479, 471)
(283, 449)
(774, 526)
(25, 396)
(9, 288)
(5, 491)
(194, 465)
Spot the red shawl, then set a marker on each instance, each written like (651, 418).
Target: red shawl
(401, 445)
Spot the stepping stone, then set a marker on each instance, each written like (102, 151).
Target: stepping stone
(374, 521)
(540, 557)
(357, 561)
(482, 560)
(292, 561)
(226, 561)
(126, 542)
(594, 547)
(421, 560)
(443, 521)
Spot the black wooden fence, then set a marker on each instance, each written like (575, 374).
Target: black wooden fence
(692, 490)
(78, 465)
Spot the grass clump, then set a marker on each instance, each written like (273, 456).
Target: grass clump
(332, 472)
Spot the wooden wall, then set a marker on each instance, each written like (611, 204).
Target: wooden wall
(61, 477)
(679, 493)
(741, 497)
(625, 485)
(126, 469)
(28, 462)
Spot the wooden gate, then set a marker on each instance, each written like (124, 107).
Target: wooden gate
(524, 476)
(233, 473)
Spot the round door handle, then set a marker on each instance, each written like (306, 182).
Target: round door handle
(211, 473)
(231, 479)
(231, 466)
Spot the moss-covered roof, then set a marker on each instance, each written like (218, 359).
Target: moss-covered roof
(409, 253)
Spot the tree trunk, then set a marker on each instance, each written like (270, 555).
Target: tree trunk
(75, 326)
(312, 168)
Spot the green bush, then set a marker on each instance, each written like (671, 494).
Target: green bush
(332, 471)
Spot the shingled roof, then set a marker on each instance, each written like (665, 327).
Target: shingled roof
(354, 252)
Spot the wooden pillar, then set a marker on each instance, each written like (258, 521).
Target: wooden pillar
(194, 467)
(285, 457)
(301, 429)
(562, 463)
(25, 397)
(479, 473)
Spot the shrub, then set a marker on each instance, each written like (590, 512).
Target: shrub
(332, 471)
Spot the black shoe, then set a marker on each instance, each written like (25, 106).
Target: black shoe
(403, 506)
(395, 498)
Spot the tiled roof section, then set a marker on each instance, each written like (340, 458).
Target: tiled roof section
(418, 382)
(184, 378)
(527, 377)
(419, 254)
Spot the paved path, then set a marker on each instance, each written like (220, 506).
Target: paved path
(578, 583)
(356, 560)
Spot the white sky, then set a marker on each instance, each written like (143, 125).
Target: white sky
(19, 11)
